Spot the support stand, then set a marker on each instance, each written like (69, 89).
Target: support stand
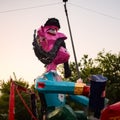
(71, 38)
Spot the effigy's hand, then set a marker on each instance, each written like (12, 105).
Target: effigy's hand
(86, 88)
(79, 80)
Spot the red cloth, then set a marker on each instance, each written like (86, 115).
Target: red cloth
(111, 112)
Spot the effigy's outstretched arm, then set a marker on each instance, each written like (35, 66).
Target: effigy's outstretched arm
(48, 84)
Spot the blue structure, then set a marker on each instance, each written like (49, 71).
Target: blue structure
(54, 92)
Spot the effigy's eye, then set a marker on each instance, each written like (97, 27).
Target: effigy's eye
(52, 31)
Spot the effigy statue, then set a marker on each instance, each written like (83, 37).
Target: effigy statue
(50, 48)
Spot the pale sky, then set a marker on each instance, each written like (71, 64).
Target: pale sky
(95, 26)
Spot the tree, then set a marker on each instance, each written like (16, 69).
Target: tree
(20, 111)
(110, 65)
(107, 64)
(4, 97)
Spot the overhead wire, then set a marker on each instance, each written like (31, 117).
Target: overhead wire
(52, 4)
(91, 10)
(27, 8)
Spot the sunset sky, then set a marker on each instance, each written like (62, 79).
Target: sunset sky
(95, 26)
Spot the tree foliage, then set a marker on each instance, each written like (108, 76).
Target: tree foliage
(20, 111)
(110, 66)
(107, 64)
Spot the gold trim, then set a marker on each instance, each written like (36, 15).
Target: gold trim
(79, 88)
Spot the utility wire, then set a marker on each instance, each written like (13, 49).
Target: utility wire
(27, 8)
(52, 4)
(91, 10)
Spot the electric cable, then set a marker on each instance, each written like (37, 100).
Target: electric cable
(52, 4)
(91, 10)
(28, 8)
